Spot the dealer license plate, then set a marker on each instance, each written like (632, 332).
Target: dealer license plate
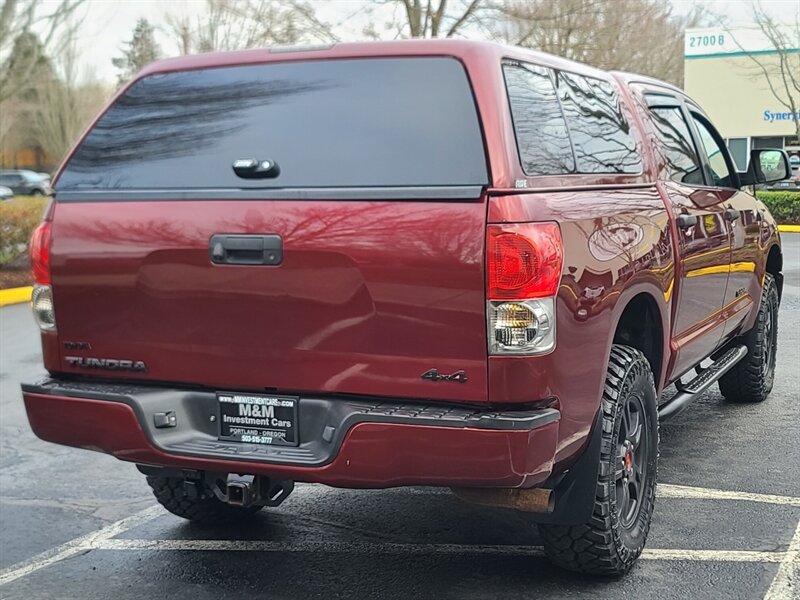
(258, 419)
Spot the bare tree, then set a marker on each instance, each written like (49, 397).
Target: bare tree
(66, 106)
(643, 36)
(19, 17)
(50, 107)
(781, 69)
(429, 18)
(231, 25)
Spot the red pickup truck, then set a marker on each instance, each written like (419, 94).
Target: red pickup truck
(441, 263)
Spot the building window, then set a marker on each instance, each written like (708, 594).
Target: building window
(738, 148)
(768, 142)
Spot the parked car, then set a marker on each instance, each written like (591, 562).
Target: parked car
(6, 193)
(443, 263)
(26, 183)
(788, 184)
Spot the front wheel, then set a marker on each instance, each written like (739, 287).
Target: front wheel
(751, 379)
(614, 537)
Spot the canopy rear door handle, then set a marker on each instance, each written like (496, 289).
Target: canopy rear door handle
(251, 168)
(237, 249)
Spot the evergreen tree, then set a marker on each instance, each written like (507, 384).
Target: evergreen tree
(141, 50)
(27, 66)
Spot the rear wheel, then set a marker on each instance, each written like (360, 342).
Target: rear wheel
(751, 379)
(613, 539)
(207, 509)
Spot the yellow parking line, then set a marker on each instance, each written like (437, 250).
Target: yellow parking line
(15, 295)
(789, 228)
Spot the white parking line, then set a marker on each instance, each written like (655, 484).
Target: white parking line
(390, 548)
(105, 539)
(78, 545)
(321, 546)
(669, 490)
(666, 490)
(786, 583)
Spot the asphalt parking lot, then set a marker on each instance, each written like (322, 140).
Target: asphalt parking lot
(75, 524)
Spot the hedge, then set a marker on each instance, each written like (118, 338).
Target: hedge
(784, 206)
(18, 218)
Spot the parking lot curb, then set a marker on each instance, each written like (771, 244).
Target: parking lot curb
(789, 228)
(15, 295)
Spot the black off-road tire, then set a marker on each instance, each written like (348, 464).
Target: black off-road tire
(613, 539)
(209, 510)
(751, 379)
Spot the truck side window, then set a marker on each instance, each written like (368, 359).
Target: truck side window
(542, 139)
(719, 173)
(677, 148)
(600, 133)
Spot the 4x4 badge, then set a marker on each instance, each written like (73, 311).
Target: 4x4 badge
(434, 375)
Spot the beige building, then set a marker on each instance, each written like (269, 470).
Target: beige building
(722, 77)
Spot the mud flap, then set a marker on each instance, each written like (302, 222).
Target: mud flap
(574, 491)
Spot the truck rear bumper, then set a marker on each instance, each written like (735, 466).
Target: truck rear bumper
(343, 442)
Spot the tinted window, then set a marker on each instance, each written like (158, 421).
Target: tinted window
(600, 134)
(719, 173)
(373, 122)
(542, 139)
(682, 163)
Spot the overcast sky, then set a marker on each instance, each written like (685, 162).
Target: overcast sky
(108, 24)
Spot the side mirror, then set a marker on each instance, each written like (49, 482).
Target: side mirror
(766, 166)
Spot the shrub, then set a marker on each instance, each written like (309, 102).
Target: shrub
(784, 206)
(18, 218)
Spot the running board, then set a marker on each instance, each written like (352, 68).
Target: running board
(698, 385)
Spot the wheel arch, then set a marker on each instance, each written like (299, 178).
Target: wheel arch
(642, 322)
(774, 266)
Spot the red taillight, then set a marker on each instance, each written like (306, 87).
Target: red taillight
(40, 253)
(524, 261)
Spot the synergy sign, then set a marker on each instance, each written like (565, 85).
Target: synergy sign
(771, 117)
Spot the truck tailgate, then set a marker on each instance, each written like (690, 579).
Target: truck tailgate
(368, 297)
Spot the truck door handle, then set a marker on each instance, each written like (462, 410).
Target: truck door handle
(686, 221)
(246, 249)
(731, 214)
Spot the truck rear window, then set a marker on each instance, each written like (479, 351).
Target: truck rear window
(334, 123)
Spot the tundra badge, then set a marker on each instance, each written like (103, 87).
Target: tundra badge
(107, 364)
